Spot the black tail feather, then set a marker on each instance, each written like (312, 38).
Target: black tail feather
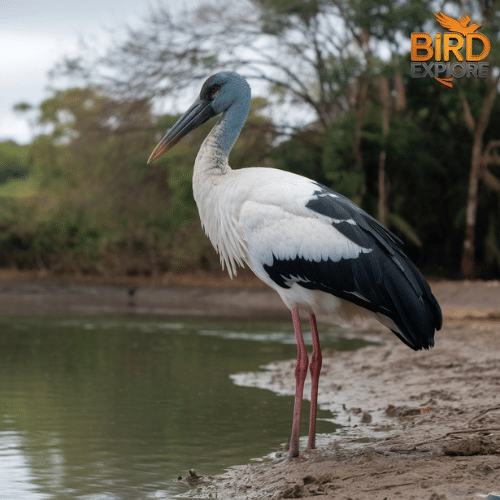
(415, 311)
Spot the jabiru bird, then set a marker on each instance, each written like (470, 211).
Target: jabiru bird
(316, 248)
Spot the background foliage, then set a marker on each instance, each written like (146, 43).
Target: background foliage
(340, 107)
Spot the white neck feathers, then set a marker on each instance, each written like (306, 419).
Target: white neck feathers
(217, 204)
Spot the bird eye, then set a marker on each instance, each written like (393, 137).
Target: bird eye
(214, 91)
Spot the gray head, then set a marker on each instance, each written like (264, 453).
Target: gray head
(223, 89)
(220, 92)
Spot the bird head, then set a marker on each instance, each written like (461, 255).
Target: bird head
(218, 93)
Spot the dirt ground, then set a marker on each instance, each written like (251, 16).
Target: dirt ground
(422, 425)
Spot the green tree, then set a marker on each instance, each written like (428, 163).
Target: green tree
(477, 107)
(99, 208)
(361, 125)
(14, 162)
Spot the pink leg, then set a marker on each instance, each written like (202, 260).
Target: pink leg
(300, 376)
(315, 369)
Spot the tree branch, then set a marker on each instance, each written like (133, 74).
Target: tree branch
(470, 123)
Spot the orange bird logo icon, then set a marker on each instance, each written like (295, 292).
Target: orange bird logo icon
(451, 24)
(460, 35)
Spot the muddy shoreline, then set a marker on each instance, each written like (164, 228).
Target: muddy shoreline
(420, 425)
(416, 425)
(203, 297)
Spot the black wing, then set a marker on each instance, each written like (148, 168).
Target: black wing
(381, 279)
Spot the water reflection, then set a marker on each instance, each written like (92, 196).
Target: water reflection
(118, 408)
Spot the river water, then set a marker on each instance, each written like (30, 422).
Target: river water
(118, 408)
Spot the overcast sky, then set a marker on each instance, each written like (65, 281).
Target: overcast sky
(36, 34)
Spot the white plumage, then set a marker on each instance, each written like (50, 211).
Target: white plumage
(317, 249)
(244, 210)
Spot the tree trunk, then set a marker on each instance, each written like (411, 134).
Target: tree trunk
(468, 262)
(362, 98)
(382, 195)
(360, 113)
(400, 102)
(467, 266)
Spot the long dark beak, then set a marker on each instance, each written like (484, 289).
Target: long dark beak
(197, 114)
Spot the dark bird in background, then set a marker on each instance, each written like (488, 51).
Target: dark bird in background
(131, 295)
(317, 249)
